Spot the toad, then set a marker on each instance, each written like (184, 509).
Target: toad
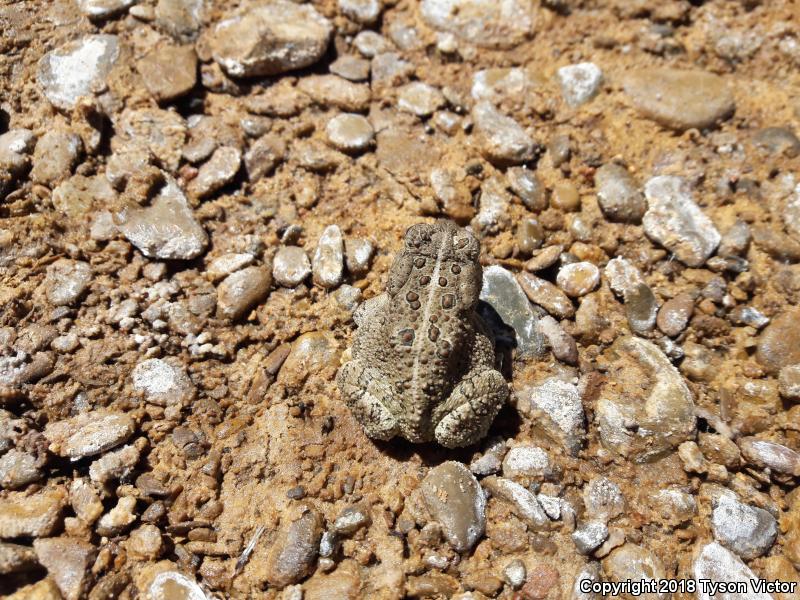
(422, 360)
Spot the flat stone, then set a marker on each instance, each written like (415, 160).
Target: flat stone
(619, 195)
(579, 83)
(420, 99)
(498, 84)
(68, 561)
(766, 454)
(66, 281)
(294, 552)
(370, 43)
(102, 9)
(557, 406)
(589, 536)
(502, 140)
(216, 173)
(351, 519)
(485, 23)
(494, 204)
(674, 220)
(679, 99)
(169, 72)
(330, 90)
(644, 423)
(327, 264)
(241, 291)
(502, 291)
(525, 184)
(115, 464)
(163, 383)
(291, 266)
(578, 279)
(77, 69)
(603, 499)
(527, 462)
(350, 132)
(350, 67)
(270, 38)
(90, 433)
(779, 343)
(747, 530)
(714, 563)
(455, 500)
(264, 155)
(36, 515)
(561, 343)
(18, 469)
(167, 228)
(180, 18)
(674, 315)
(545, 294)
(523, 502)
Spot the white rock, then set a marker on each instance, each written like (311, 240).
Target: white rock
(523, 501)
(560, 403)
(361, 11)
(420, 99)
(350, 132)
(100, 9)
(747, 530)
(589, 536)
(527, 461)
(715, 564)
(603, 499)
(674, 220)
(487, 23)
(162, 383)
(328, 262)
(580, 83)
(77, 68)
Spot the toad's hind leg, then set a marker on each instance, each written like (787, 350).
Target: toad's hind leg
(367, 395)
(473, 404)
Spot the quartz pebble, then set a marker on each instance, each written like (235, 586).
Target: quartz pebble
(102, 9)
(485, 23)
(455, 500)
(675, 221)
(561, 409)
(619, 195)
(270, 38)
(679, 99)
(172, 585)
(419, 98)
(180, 18)
(18, 469)
(493, 214)
(66, 281)
(527, 462)
(358, 254)
(502, 139)
(713, 563)
(523, 502)
(578, 279)
(748, 531)
(241, 291)
(77, 68)
(525, 184)
(291, 266)
(490, 462)
(579, 83)
(635, 563)
(327, 264)
(163, 383)
(515, 573)
(351, 519)
(350, 132)
(167, 228)
(502, 291)
(89, 433)
(361, 11)
(603, 499)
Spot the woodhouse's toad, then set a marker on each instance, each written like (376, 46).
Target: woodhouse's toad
(423, 362)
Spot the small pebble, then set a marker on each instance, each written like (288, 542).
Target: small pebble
(291, 266)
(578, 279)
(241, 291)
(579, 83)
(503, 141)
(420, 99)
(589, 536)
(619, 195)
(327, 264)
(350, 132)
(66, 281)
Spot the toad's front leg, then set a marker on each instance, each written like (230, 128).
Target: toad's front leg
(473, 404)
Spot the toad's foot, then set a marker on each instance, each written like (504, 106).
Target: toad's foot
(367, 394)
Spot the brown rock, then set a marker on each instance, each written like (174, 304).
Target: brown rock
(779, 343)
(37, 515)
(241, 291)
(294, 552)
(542, 580)
(68, 561)
(169, 72)
(674, 314)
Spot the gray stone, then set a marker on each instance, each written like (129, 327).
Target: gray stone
(766, 454)
(525, 184)
(291, 266)
(643, 424)
(619, 195)
(779, 343)
(485, 23)
(89, 433)
(102, 9)
(713, 563)
(114, 465)
(603, 499)
(501, 290)
(748, 531)
(327, 264)
(545, 294)
(350, 132)
(66, 281)
(579, 83)
(455, 500)
(502, 140)
(15, 558)
(529, 462)
(589, 536)
(241, 291)
(498, 84)
(18, 469)
(56, 154)
(264, 155)
(523, 502)
(163, 383)
(217, 172)
(295, 550)
(641, 308)
(180, 18)
(68, 561)
(490, 462)
(561, 343)
(679, 99)
(361, 11)
(674, 315)
(351, 68)
(351, 519)
(675, 221)
(167, 228)
(270, 38)
(76, 69)
(558, 407)
(224, 265)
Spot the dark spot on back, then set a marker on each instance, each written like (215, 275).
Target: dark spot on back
(424, 280)
(419, 262)
(455, 268)
(448, 301)
(442, 281)
(406, 336)
(412, 296)
(433, 333)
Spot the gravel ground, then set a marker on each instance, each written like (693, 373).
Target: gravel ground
(196, 196)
